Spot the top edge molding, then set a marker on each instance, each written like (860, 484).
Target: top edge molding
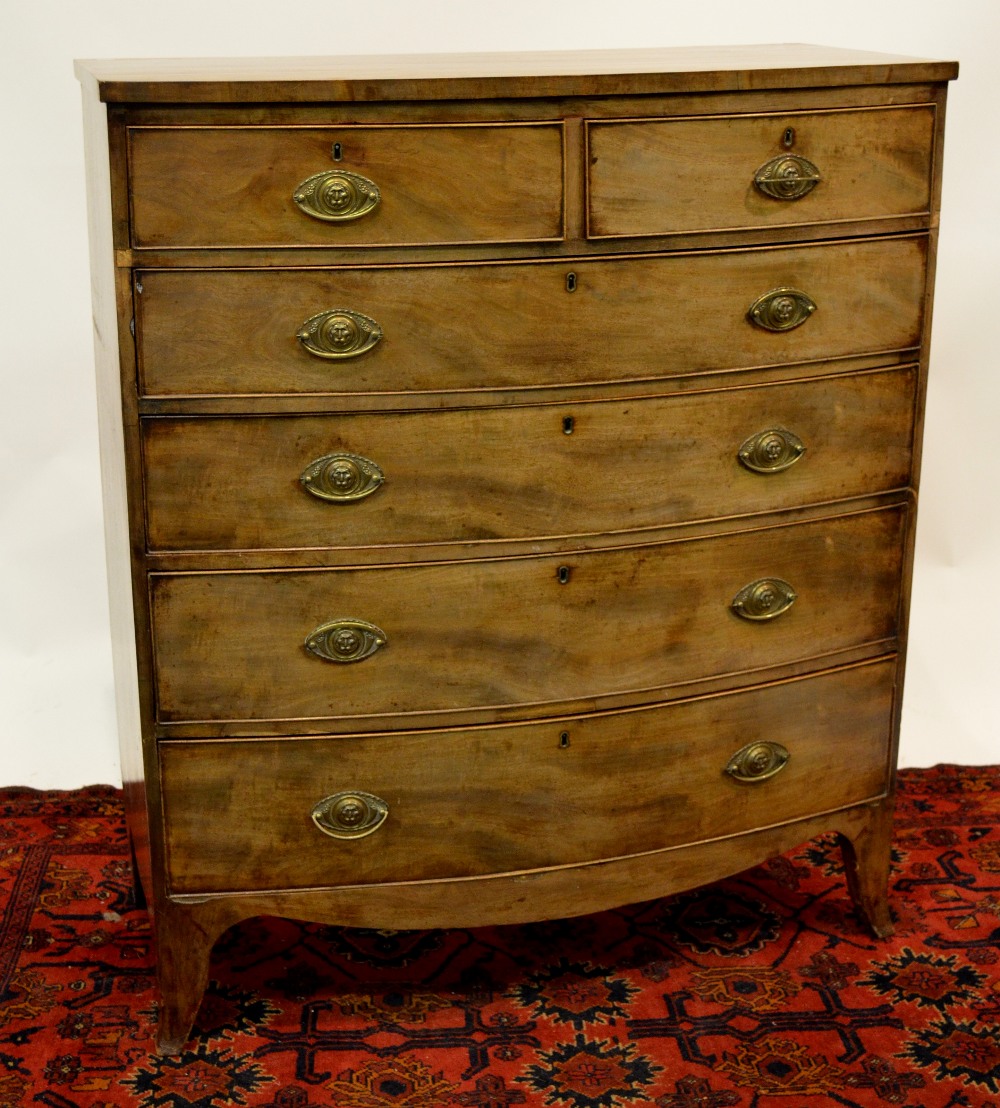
(386, 77)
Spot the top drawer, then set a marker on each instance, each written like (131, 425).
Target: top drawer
(733, 172)
(391, 185)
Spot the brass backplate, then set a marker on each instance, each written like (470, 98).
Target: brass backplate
(757, 761)
(338, 333)
(345, 640)
(350, 815)
(787, 177)
(336, 196)
(781, 309)
(771, 451)
(764, 599)
(342, 478)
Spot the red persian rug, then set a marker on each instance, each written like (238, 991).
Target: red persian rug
(758, 992)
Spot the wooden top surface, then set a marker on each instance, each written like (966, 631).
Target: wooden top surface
(449, 76)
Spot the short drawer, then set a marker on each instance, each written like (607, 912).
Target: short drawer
(344, 481)
(498, 326)
(392, 185)
(717, 173)
(483, 635)
(501, 799)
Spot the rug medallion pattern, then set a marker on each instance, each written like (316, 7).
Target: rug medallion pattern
(757, 992)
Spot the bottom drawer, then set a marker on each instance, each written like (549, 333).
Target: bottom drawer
(521, 796)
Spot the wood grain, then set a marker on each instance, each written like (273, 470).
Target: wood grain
(505, 473)
(117, 427)
(653, 177)
(488, 75)
(233, 186)
(506, 632)
(507, 326)
(506, 799)
(484, 164)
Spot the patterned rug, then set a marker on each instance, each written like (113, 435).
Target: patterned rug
(758, 992)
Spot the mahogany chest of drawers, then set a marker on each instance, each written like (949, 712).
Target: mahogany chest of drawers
(510, 467)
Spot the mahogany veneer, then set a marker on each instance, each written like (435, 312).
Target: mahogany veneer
(538, 538)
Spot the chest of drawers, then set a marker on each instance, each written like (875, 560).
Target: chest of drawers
(510, 469)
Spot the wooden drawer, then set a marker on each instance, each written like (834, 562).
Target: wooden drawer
(234, 186)
(501, 799)
(489, 474)
(664, 176)
(490, 634)
(448, 328)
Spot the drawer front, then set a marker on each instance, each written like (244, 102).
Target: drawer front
(494, 326)
(517, 631)
(235, 186)
(664, 176)
(502, 799)
(494, 474)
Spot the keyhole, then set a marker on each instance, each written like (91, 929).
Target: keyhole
(563, 575)
(568, 424)
(338, 152)
(788, 138)
(563, 739)
(571, 282)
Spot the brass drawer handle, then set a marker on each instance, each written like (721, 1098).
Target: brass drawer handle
(781, 309)
(338, 333)
(345, 640)
(764, 599)
(336, 196)
(342, 478)
(350, 815)
(757, 762)
(771, 451)
(787, 177)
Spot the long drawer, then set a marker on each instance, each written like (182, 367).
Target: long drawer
(519, 631)
(508, 325)
(478, 475)
(345, 186)
(663, 176)
(501, 799)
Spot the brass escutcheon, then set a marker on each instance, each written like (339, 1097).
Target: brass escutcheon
(771, 451)
(757, 761)
(350, 815)
(781, 309)
(342, 478)
(336, 196)
(338, 333)
(787, 177)
(764, 599)
(345, 640)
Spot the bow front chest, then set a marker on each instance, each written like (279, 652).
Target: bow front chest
(510, 468)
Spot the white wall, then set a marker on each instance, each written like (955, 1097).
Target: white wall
(56, 701)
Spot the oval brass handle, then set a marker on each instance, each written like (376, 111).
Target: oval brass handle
(757, 761)
(345, 640)
(781, 309)
(342, 478)
(764, 599)
(787, 177)
(350, 815)
(336, 196)
(771, 451)
(338, 333)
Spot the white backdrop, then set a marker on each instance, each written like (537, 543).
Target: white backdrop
(56, 701)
